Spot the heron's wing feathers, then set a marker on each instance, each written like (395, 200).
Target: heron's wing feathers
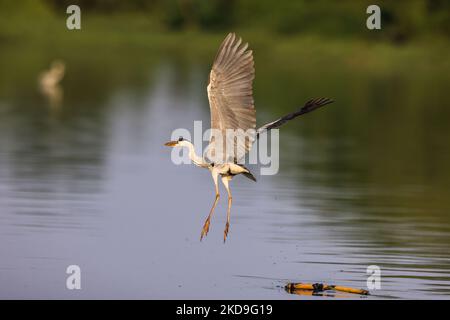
(309, 106)
(230, 97)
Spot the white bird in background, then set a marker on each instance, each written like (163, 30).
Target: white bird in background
(230, 97)
(49, 82)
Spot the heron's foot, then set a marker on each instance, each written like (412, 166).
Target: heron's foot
(205, 229)
(225, 232)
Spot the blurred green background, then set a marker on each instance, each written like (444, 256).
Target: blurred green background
(402, 20)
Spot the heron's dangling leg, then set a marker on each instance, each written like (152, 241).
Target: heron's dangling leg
(208, 219)
(225, 181)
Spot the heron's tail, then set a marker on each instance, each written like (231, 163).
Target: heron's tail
(248, 174)
(309, 106)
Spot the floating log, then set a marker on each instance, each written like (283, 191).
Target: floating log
(317, 287)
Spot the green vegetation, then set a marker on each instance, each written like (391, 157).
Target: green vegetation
(401, 20)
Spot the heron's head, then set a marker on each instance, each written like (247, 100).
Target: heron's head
(58, 66)
(181, 142)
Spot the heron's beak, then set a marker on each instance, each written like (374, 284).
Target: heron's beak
(171, 143)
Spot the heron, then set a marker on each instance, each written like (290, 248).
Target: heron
(49, 82)
(54, 75)
(230, 95)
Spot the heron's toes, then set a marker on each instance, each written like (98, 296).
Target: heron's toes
(205, 230)
(225, 232)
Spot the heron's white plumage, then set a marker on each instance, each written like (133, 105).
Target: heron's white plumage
(230, 94)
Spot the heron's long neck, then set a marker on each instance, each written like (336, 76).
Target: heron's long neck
(197, 160)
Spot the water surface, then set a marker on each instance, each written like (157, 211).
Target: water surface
(362, 182)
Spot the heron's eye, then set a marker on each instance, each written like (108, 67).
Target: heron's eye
(180, 139)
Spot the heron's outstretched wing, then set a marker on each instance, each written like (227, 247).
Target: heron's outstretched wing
(230, 97)
(309, 106)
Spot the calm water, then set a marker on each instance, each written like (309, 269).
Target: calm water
(362, 182)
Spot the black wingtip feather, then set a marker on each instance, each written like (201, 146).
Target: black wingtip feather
(309, 106)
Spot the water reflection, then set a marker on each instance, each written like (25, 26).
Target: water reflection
(358, 185)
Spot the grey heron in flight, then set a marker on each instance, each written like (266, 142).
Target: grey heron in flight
(230, 95)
